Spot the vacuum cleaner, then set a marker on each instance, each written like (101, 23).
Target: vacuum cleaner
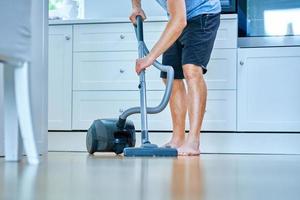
(118, 135)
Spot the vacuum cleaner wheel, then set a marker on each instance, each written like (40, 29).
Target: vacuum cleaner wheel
(91, 140)
(105, 136)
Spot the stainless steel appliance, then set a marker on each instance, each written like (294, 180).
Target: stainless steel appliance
(228, 6)
(268, 23)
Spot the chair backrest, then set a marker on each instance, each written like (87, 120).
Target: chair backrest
(15, 29)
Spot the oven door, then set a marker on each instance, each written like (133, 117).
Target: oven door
(269, 23)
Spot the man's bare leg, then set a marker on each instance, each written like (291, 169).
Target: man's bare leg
(178, 107)
(196, 99)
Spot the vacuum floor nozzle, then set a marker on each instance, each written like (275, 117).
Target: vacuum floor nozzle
(150, 152)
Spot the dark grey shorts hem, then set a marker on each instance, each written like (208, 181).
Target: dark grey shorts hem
(180, 75)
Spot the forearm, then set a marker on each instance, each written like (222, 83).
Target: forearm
(173, 30)
(171, 33)
(136, 4)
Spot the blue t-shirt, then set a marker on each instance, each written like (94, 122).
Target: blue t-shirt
(197, 7)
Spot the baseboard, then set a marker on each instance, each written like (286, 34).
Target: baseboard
(229, 142)
(42, 150)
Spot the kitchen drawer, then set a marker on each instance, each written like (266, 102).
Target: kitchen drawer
(110, 71)
(221, 72)
(220, 111)
(227, 34)
(113, 37)
(121, 36)
(115, 71)
(89, 105)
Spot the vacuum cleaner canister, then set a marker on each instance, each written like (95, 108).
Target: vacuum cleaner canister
(105, 136)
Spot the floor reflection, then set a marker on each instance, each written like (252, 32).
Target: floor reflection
(187, 179)
(78, 176)
(19, 181)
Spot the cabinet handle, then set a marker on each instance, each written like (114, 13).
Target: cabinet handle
(242, 63)
(122, 36)
(121, 110)
(67, 37)
(122, 71)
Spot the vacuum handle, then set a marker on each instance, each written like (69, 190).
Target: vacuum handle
(139, 29)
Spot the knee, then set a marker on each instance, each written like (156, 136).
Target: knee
(178, 84)
(192, 72)
(164, 80)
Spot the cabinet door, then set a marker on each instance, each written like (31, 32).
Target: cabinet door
(60, 78)
(90, 105)
(269, 89)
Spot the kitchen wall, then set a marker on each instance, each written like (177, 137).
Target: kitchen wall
(121, 8)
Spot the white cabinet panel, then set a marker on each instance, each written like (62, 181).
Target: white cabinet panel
(269, 89)
(88, 106)
(221, 72)
(113, 37)
(110, 71)
(220, 112)
(121, 36)
(115, 71)
(227, 34)
(60, 78)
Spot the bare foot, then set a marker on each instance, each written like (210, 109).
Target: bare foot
(174, 143)
(190, 147)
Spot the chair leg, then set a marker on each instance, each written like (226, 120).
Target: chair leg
(12, 142)
(24, 112)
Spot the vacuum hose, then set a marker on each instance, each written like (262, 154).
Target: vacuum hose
(143, 50)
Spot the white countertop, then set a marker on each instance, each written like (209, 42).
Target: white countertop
(120, 20)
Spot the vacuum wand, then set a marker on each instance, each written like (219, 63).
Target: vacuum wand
(148, 149)
(143, 109)
(142, 85)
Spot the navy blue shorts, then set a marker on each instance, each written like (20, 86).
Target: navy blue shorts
(194, 46)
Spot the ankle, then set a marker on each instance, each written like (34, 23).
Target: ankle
(178, 138)
(178, 133)
(193, 138)
(177, 141)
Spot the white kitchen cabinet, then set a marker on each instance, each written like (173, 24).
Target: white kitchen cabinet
(121, 36)
(221, 74)
(114, 36)
(110, 71)
(269, 89)
(90, 105)
(103, 81)
(60, 78)
(115, 71)
(227, 34)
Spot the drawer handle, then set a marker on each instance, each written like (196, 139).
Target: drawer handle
(242, 63)
(67, 37)
(121, 110)
(122, 71)
(122, 36)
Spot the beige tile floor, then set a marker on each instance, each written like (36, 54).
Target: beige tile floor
(105, 176)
